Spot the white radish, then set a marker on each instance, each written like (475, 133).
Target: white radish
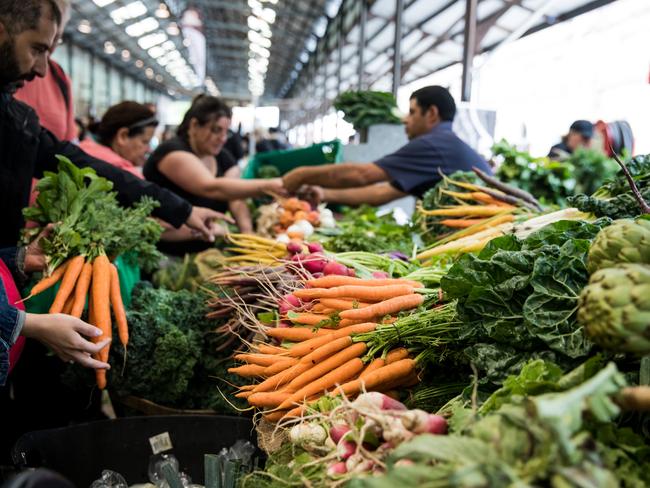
(338, 431)
(337, 469)
(345, 449)
(376, 400)
(395, 432)
(358, 464)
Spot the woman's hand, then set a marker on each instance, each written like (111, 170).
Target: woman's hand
(63, 334)
(274, 186)
(202, 221)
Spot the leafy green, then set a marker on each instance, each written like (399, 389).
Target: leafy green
(89, 221)
(268, 171)
(365, 108)
(522, 296)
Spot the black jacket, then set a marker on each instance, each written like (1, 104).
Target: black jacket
(27, 149)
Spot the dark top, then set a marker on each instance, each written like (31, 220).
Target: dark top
(416, 167)
(27, 150)
(225, 161)
(559, 151)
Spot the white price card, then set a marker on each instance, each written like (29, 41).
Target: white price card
(161, 442)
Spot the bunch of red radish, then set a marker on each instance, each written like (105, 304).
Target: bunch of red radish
(311, 257)
(361, 434)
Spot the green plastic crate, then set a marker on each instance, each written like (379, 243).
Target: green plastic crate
(285, 161)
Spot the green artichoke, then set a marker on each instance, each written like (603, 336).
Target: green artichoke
(614, 308)
(625, 241)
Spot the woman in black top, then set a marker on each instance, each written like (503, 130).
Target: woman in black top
(187, 165)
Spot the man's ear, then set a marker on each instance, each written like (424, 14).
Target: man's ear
(432, 114)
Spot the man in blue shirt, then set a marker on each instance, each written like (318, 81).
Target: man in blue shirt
(433, 149)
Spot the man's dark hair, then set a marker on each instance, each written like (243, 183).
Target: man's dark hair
(22, 15)
(436, 95)
(204, 109)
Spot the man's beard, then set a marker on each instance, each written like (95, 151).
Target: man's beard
(10, 74)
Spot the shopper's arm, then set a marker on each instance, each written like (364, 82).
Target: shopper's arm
(239, 208)
(370, 195)
(188, 172)
(344, 175)
(130, 189)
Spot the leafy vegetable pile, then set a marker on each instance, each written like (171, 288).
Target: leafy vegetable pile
(365, 108)
(553, 181)
(171, 359)
(89, 220)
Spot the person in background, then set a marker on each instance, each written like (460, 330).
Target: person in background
(51, 96)
(187, 166)
(580, 134)
(433, 148)
(82, 131)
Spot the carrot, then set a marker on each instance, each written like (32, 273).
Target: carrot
(268, 349)
(304, 348)
(100, 291)
(377, 378)
(100, 378)
(342, 304)
(332, 281)
(326, 366)
(268, 399)
(374, 365)
(248, 370)
(366, 293)
(466, 210)
(397, 354)
(337, 376)
(81, 290)
(48, 281)
(461, 223)
(348, 322)
(314, 357)
(274, 416)
(296, 412)
(67, 308)
(318, 308)
(118, 307)
(279, 366)
(387, 307)
(309, 319)
(67, 283)
(243, 394)
(295, 334)
(265, 360)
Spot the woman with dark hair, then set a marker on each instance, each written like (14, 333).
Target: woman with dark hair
(196, 166)
(123, 136)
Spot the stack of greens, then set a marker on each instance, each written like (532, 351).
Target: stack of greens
(88, 218)
(365, 108)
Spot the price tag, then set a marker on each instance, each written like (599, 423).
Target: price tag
(161, 442)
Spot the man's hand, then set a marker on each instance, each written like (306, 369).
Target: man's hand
(34, 256)
(63, 335)
(275, 186)
(315, 195)
(294, 179)
(202, 220)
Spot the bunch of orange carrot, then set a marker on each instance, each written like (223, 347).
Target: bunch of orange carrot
(319, 354)
(95, 281)
(341, 301)
(318, 362)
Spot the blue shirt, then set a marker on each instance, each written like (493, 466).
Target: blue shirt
(416, 167)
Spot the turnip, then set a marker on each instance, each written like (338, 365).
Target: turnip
(307, 433)
(288, 303)
(338, 431)
(294, 248)
(337, 469)
(334, 268)
(315, 247)
(345, 448)
(380, 275)
(376, 400)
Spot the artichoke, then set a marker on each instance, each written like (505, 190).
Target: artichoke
(614, 308)
(625, 241)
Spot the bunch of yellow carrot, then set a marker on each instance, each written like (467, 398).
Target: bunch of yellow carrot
(319, 353)
(96, 281)
(251, 249)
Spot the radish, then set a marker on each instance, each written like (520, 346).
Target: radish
(294, 248)
(352, 272)
(338, 431)
(288, 303)
(426, 423)
(377, 400)
(315, 247)
(337, 469)
(284, 324)
(380, 275)
(358, 464)
(404, 463)
(315, 263)
(307, 433)
(345, 448)
(334, 268)
(395, 432)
